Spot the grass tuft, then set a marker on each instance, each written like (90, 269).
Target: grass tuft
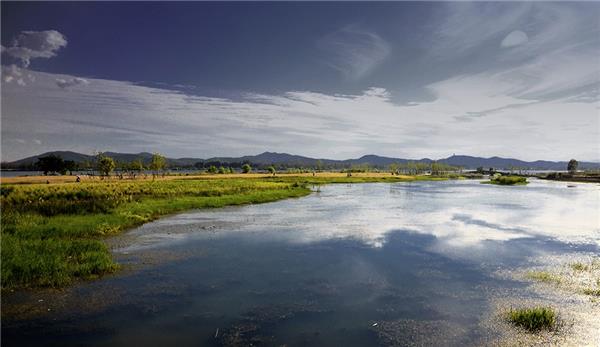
(579, 266)
(543, 276)
(533, 319)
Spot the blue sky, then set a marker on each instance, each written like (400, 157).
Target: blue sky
(334, 80)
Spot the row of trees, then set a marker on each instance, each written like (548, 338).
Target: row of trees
(246, 168)
(54, 164)
(416, 168)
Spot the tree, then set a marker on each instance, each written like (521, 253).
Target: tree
(222, 170)
(319, 165)
(106, 164)
(212, 169)
(51, 163)
(246, 168)
(572, 166)
(70, 165)
(158, 162)
(137, 165)
(271, 170)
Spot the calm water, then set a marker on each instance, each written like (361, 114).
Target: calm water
(351, 265)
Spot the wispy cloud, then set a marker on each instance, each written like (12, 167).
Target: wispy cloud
(114, 115)
(354, 51)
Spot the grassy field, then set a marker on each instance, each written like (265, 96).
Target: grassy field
(52, 234)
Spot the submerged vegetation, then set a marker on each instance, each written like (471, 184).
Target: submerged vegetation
(533, 319)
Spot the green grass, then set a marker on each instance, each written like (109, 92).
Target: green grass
(533, 319)
(543, 276)
(53, 234)
(591, 291)
(507, 180)
(579, 266)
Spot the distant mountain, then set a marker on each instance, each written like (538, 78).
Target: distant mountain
(288, 160)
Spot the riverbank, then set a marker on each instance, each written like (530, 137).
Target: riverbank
(567, 177)
(53, 234)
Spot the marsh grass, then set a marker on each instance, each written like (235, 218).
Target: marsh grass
(533, 319)
(544, 276)
(53, 234)
(581, 277)
(579, 266)
(507, 180)
(591, 291)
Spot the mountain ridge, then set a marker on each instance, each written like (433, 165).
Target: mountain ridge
(291, 160)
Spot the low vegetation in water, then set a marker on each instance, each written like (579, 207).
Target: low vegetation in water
(533, 319)
(581, 277)
(508, 180)
(544, 276)
(52, 234)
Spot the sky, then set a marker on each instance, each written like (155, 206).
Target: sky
(326, 80)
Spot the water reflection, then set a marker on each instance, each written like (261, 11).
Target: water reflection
(352, 265)
(459, 213)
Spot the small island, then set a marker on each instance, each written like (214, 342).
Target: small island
(507, 180)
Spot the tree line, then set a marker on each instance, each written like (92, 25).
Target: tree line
(104, 164)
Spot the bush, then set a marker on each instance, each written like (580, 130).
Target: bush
(246, 168)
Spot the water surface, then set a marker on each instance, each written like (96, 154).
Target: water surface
(352, 265)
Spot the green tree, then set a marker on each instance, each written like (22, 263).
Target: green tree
(51, 163)
(70, 166)
(158, 162)
(212, 169)
(246, 168)
(105, 163)
(319, 165)
(572, 166)
(137, 165)
(271, 170)
(222, 170)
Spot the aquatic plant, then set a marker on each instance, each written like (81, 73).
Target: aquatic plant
(507, 180)
(543, 276)
(533, 319)
(579, 266)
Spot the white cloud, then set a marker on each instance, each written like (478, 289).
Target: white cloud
(353, 51)
(77, 81)
(515, 38)
(121, 116)
(35, 44)
(12, 73)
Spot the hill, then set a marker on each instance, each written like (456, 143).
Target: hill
(288, 160)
